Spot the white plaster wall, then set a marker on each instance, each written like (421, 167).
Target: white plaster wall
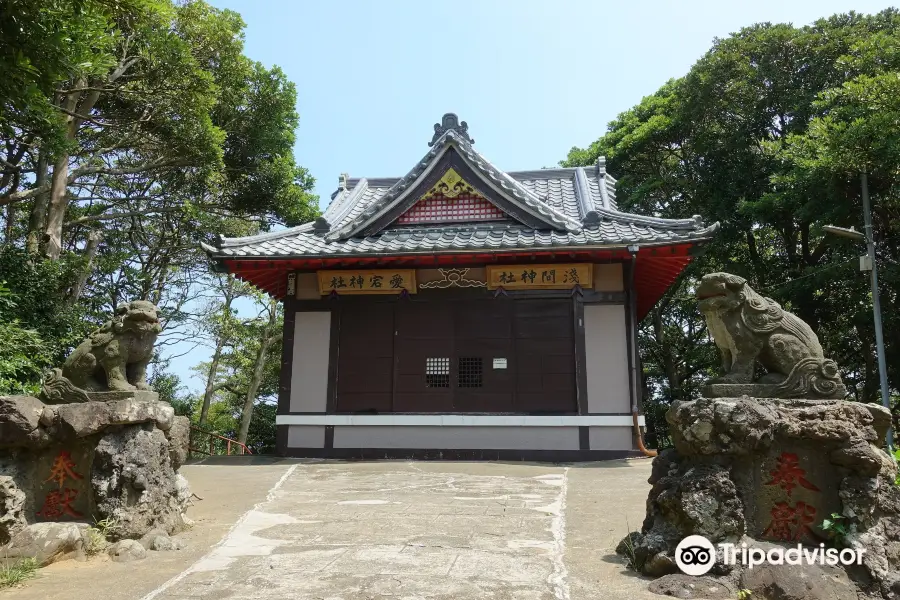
(611, 438)
(306, 436)
(606, 358)
(309, 370)
(456, 438)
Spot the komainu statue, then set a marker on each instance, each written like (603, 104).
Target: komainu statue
(114, 358)
(751, 329)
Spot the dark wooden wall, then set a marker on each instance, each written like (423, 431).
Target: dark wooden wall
(384, 350)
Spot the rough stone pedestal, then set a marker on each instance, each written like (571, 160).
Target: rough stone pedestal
(140, 396)
(115, 459)
(770, 471)
(760, 390)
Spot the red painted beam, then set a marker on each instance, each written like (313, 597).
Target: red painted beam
(656, 268)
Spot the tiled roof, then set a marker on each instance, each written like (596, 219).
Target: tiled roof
(576, 205)
(453, 238)
(516, 193)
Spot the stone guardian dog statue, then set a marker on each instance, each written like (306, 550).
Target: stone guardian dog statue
(749, 329)
(113, 359)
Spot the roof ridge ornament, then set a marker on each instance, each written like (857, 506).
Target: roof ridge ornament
(321, 225)
(591, 218)
(451, 121)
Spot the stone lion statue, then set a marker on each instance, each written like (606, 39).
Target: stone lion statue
(115, 357)
(749, 329)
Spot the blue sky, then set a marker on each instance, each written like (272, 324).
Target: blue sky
(531, 78)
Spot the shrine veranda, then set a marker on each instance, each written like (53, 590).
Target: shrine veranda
(465, 312)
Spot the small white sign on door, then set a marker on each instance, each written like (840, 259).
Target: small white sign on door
(499, 363)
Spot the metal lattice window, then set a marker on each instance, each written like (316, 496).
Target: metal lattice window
(437, 372)
(470, 371)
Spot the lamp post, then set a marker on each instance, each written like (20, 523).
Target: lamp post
(868, 263)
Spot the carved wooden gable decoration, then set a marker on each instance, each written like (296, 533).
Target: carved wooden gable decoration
(450, 185)
(451, 200)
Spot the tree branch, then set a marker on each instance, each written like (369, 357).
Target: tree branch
(151, 166)
(227, 386)
(121, 215)
(81, 118)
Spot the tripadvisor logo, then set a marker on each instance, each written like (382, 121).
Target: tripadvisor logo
(696, 555)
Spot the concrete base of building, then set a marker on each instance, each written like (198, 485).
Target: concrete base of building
(554, 456)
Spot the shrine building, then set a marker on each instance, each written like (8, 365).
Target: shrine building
(461, 311)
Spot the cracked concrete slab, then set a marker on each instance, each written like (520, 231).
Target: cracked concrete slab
(407, 530)
(323, 530)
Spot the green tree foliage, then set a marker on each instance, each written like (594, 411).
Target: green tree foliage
(43, 42)
(133, 131)
(169, 102)
(21, 350)
(170, 389)
(39, 290)
(768, 133)
(243, 374)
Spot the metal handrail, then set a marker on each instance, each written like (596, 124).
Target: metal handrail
(212, 438)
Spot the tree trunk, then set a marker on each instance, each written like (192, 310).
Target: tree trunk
(10, 224)
(216, 357)
(755, 258)
(90, 252)
(33, 240)
(56, 208)
(157, 293)
(669, 364)
(269, 338)
(59, 199)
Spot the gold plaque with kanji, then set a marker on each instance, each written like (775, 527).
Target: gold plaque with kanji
(540, 277)
(380, 281)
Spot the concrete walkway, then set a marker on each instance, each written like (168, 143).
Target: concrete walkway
(404, 530)
(227, 492)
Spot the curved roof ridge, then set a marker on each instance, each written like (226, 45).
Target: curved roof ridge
(374, 181)
(374, 209)
(337, 200)
(521, 196)
(347, 202)
(524, 174)
(706, 231)
(224, 242)
(583, 193)
(543, 173)
(465, 239)
(604, 192)
(531, 199)
(693, 223)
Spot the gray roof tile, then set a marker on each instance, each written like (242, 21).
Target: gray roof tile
(555, 194)
(466, 238)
